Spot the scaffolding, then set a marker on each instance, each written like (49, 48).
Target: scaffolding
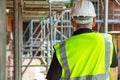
(40, 35)
(39, 39)
(113, 14)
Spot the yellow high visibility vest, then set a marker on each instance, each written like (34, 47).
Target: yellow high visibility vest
(85, 57)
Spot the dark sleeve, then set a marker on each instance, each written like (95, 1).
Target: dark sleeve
(114, 58)
(55, 69)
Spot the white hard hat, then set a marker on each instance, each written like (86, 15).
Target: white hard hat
(83, 8)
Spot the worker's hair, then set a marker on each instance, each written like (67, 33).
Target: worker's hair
(83, 19)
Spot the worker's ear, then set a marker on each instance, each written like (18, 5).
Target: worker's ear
(94, 22)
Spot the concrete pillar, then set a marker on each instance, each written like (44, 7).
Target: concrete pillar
(17, 38)
(2, 39)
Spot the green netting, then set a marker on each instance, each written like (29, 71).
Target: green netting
(42, 17)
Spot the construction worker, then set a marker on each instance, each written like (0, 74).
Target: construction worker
(86, 55)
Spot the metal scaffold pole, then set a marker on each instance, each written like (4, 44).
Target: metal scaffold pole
(17, 55)
(20, 31)
(98, 11)
(106, 16)
(2, 39)
(51, 37)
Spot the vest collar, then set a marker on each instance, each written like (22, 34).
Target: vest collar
(82, 30)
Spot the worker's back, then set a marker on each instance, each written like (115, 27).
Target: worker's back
(86, 55)
(83, 55)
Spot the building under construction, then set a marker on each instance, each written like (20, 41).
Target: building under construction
(30, 28)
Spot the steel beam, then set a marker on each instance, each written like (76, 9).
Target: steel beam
(2, 39)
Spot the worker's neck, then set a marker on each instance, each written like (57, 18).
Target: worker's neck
(85, 26)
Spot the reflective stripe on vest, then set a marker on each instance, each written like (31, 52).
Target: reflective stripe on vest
(90, 77)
